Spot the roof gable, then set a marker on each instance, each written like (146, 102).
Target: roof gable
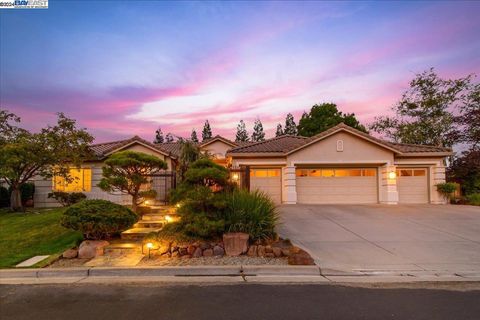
(103, 150)
(218, 138)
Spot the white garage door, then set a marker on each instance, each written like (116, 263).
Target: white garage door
(412, 185)
(268, 181)
(337, 185)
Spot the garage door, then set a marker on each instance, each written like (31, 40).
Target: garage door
(268, 181)
(337, 185)
(412, 185)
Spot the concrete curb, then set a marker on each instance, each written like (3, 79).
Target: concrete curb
(251, 270)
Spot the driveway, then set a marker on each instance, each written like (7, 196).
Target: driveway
(440, 238)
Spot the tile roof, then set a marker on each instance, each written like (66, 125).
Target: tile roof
(289, 144)
(103, 149)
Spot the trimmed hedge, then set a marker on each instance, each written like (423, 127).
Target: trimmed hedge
(98, 219)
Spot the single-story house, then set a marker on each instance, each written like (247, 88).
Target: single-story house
(342, 165)
(338, 166)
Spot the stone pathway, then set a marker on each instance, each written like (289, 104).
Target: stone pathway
(124, 260)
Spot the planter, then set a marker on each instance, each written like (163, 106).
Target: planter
(235, 243)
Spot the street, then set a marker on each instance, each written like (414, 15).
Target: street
(239, 301)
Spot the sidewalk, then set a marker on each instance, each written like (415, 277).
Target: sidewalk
(221, 274)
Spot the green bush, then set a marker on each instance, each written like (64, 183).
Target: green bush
(474, 199)
(98, 219)
(4, 197)
(250, 212)
(447, 189)
(67, 198)
(27, 190)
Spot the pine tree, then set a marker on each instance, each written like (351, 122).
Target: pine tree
(169, 138)
(158, 136)
(193, 136)
(242, 134)
(290, 126)
(279, 131)
(258, 134)
(207, 131)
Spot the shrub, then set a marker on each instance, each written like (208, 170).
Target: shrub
(67, 198)
(27, 190)
(474, 199)
(4, 197)
(98, 219)
(250, 212)
(447, 189)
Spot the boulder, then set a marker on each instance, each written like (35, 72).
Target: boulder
(277, 252)
(252, 251)
(235, 243)
(208, 253)
(286, 252)
(70, 254)
(183, 251)
(191, 249)
(89, 249)
(197, 253)
(261, 251)
(300, 257)
(268, 249)
(175, 254)
(205, 245)
(218, 251)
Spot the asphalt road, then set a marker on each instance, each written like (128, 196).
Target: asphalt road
(248, 301)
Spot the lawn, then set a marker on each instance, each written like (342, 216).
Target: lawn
(37, 232)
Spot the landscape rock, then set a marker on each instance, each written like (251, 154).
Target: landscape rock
(261, 251)
(268, 249)
(70, 254)
(300, 257)
(197, 253)
(191, 249)
(235, 244)
(175, 254)
(252, 251)
(286, 252)
(182, 250)
(269, 255)
(277, 252)
(208, 253)
(218, 251)
(89, 249)
(205, 245)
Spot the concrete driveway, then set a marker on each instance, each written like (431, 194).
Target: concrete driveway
(443, 239)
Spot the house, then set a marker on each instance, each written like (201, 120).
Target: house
(338, 166)
(342, 166)
(89, 175)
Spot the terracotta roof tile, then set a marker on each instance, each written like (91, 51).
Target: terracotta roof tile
(274, 145)
(102, 149)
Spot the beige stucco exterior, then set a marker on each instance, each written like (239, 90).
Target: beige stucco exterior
(217, 149)
(351, 152)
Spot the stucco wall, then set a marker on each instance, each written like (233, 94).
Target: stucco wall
(355, 150)
(140, 148)
(218, 149)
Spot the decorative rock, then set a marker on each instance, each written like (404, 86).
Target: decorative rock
(218, 251)
(175, 254)
(261, 251)
(208, 253)
(277, 252)
(183, 251)
(187, 256)
(286, 252)
(269, 255)
(235, 243)
(268, 249)
(205, 245)
(191, 249)
(300, 257)
(91, 248)
(197, 253)
(252, 251)
(173, 249)
(70, 254)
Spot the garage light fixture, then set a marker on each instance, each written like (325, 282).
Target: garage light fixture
(392, 175)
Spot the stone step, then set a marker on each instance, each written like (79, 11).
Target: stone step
(137, 233)
(149, 224)
(124, 247)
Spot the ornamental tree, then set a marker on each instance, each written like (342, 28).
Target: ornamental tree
(193, 136)
(50, 152)
(207, 131)
(127, 171)
(159, 136)
(290, 126)
(279, 131)
(258, 134)
(242, 134)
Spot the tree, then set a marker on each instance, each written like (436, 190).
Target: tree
(279, 131)
(169, 138)
(290, 126)
(258, 134)
(158, 136)
(469, 119)
(190, 152)
(127, 171)
(465, 170)
(324, 116)
(193, 136)
(207, 131)
(50, 152)
(424, 114)
(242, 134)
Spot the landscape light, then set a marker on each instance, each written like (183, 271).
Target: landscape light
(168, 218)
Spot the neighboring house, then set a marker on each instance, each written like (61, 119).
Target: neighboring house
(338, 166)
(342, 166)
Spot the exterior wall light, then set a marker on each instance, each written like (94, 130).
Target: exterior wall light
(392, 175)
(235, 177)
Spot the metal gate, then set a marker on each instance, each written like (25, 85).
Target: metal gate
(162, 183)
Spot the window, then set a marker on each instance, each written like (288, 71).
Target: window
(330, 172)
(411, 172)
(342, 172)
(265, 173)
(369, 172)
(81, 181)
(419, 173)
(301, 173)
(315, 173)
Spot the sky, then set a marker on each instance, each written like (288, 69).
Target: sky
(124, 68)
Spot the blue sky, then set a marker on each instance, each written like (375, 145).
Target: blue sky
(126, 67)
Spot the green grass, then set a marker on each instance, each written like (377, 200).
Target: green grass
(37, 232)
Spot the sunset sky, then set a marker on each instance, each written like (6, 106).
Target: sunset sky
(124, 68)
